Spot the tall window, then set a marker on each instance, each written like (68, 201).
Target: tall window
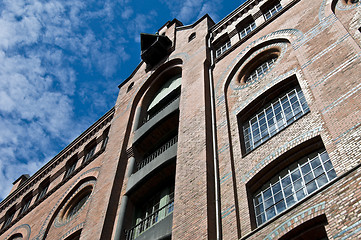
(247, 29)
(155, 209)
(89, 152)
(105, 138)
(70, 167)
(42, 190)
(271, 11)
(292, 184)
(9, 217)
(223, 48)
(274, 117)
(166, 94)
(25, 204)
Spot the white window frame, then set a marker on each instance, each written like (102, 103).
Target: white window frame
(272, 11)
(271, 119)
(293, 184)
(223, 48)
(247, 30)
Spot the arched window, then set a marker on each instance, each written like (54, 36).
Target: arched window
(313, 229)
(43, 188)
(350, 1)
(191, 37)
(167, 92)
(272, 117)
(76, 204)
(288, 179)
(71, 165)
(17, 236)
(259, 65)
(26, 203)
(261, 69)
(89, 150)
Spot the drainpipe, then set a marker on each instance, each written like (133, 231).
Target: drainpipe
(214, 141)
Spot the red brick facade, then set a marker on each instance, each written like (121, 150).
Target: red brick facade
(193, 138)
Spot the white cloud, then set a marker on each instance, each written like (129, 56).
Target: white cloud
(127, 13)
(42, 43)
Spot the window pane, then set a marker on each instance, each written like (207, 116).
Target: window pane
(322, 180)
(290, 200)
(280, 206)
(308, 177)
(318, 171)
(311, 187)
(278, 197)
(298, 181)
(306, 168)
(286, 181)
(300, 195)
(259, 209)
(295, 175)
(270, 213)
(331, 174)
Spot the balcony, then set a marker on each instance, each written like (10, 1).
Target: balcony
(157, 225)
(150, 121)
(148, 166)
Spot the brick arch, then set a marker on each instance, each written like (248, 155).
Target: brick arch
(154, 81)
(89, 175)
(287, 36)
(24, 230)
(313, 212)
(140, 88)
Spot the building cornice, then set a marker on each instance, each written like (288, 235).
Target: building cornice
(76, 143)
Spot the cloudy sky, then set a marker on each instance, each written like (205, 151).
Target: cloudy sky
(61, 63)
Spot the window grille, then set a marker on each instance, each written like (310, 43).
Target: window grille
(223, 48)
(262, 69)
(292, 185)
(274, 117)
(42, 191)
(71, 168)
(272, 11)
(9, 218)
(78, 205)
(105, 142)
(89, 154)
(25, 206)
(245, 31)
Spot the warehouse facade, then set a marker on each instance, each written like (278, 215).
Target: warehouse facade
(249, 128)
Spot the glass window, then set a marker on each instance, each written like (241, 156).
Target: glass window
(223, 48)
(78, 205)
(9, 218)
(272, 11)
(260, 70)
(297, 181)
(247, 29)
(25, 206)
(275, 116)
(42, 191)
(90, 153)
(70, 168)
(155, 209)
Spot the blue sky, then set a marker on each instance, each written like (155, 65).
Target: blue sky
(61, 63)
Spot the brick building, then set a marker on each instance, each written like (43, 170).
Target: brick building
(249, 128)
